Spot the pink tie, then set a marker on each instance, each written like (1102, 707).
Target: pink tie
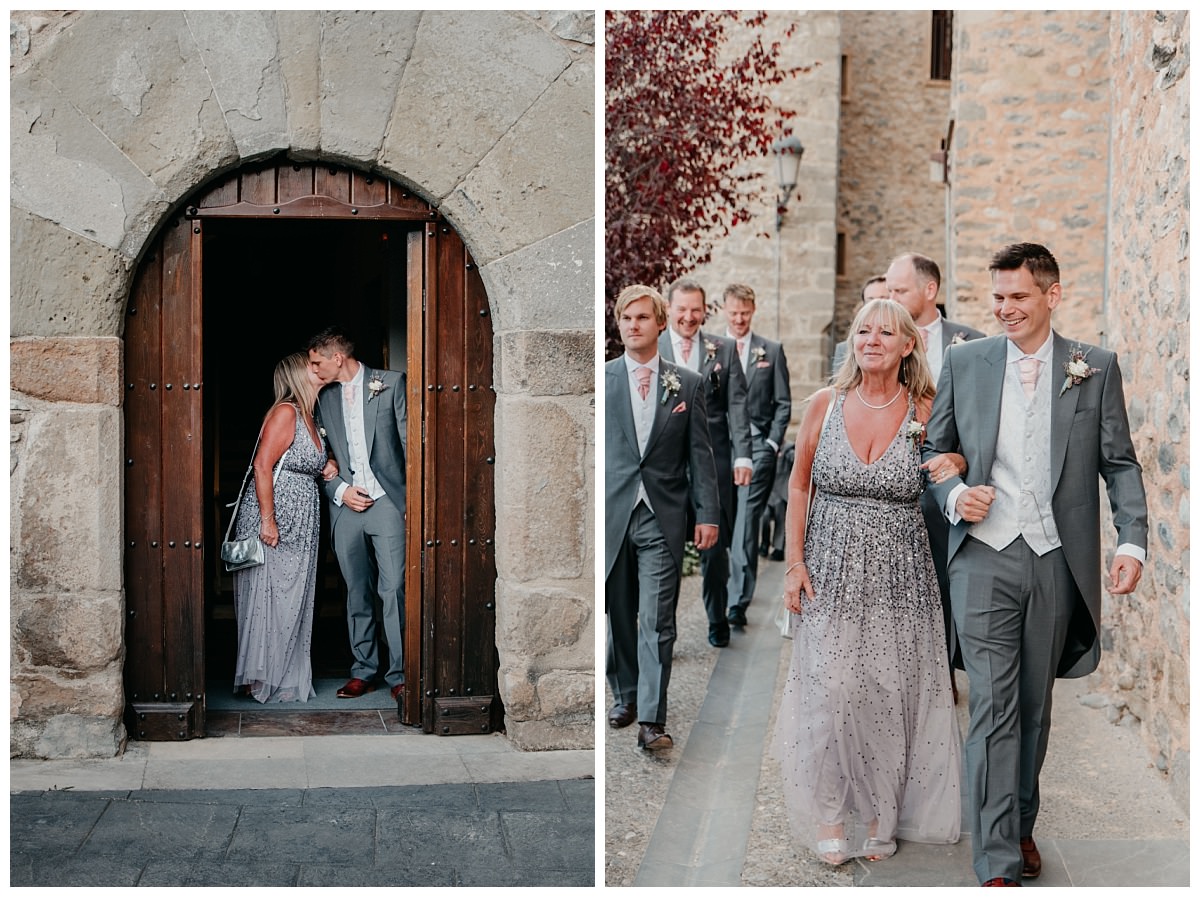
(741, 344)
(643, 375)
(925, 336)
(351, 394)
(1029, 368)
(685, 345)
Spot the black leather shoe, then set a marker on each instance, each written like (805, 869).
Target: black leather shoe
(718, 636)
(622, 715)
(764, 550)
(777, 554)
(737, 616)
(652, 737)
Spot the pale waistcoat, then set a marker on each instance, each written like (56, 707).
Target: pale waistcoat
(356, 435)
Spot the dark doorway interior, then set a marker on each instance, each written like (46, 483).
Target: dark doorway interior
(268, 287)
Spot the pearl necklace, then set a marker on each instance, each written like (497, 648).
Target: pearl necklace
(858, 392)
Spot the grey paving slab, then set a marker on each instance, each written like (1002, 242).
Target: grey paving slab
(515, 877)
(41, 870)
(319, 876)
(1124, 863)
(54, 825)
(149, 830)
(338, 836)
(450, 798)
(579, 794)
(267, 797)
(548, 840)
(198, 874)
(544, 796)
(422, 834)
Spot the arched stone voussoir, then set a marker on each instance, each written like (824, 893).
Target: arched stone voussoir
(139, 79)
(438, 131)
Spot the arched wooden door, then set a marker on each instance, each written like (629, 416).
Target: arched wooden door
(175, 494)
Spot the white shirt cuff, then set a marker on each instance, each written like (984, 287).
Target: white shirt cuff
(773, 446)
(1134, 551)
(337, 496)
(951, 514)
(743, 462)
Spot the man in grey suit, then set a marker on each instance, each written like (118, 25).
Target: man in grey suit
(715, 359)
(658, 472)
(364, 415)
(769, 407)
(913, 280)
(1039, 419)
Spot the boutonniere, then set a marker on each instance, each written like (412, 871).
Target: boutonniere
(1077, 369)
(671, 385)
(376, 386)
(915, 432)
(758, 353)
(960, 337)
(321, 430)
(710, 349)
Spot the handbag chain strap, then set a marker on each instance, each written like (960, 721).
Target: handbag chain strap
(236, 505)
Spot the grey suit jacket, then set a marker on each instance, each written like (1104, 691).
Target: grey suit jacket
(677, 467)
(728, 422)
(950, 329)
(1089, 439)
(769, 389)
(385, 420)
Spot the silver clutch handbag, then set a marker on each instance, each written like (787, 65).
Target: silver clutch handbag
(242, 554)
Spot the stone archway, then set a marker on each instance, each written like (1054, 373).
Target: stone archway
(116, 116)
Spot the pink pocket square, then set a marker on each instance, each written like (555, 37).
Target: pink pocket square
(763, 364)
(682, 406)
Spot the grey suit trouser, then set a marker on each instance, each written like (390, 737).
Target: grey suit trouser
(751, 501)
(640, 595)
(370, 552)
(1012, 610)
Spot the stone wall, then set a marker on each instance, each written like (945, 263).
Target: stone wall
(115, 117)
(1147, 317)
(893, 118)
(808, 239)
(1030, 105)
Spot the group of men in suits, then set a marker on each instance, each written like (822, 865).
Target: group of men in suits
(1040, 420)
(733, 392)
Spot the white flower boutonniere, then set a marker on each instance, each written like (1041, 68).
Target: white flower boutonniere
(915, 432)
(321, 430)
(757, 354)
(1077, 369)
(710, 349)
(376, 386)
(672, 385)
(960, 337)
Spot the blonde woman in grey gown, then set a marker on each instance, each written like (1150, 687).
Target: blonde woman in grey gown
(867, 737)
(274, 601)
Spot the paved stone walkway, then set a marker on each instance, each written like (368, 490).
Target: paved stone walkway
(712, 813)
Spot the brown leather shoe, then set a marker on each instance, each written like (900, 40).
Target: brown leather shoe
(652, 737)
(355, 688)
(1001, 883)
(397, 690)
(622, 715)
(1030, 858)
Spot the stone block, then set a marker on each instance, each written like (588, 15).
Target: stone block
(534, 621)
(68, 737)
(65, 170)
(150, 96)
(550, 285)
(66, 495)
(546, 363)
(62, 284)
(47, 693)
(67, 369)
(439, 131)
(568, 693)
(363, 55)
(299, 33)
(240, 50)
(541, 483)
(552, 734)
(539, 178)
(75, 631)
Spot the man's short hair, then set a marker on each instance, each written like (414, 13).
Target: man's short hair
(330, 341)
(926, 269)
(1034, 256)
(878, 278)
(687, 285)
(639, 291)
(739, 291)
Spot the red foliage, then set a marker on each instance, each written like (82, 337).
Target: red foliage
(682, 118)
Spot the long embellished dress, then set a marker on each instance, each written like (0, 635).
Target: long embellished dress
(867, 735)
(274, 601)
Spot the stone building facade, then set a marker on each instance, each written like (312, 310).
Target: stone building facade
(1066, 128)
(116, 117)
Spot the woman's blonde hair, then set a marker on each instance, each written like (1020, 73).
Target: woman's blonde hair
(914, 368)
(292, 383)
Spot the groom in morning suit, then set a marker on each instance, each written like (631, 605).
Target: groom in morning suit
(715, 359)
(1040, 419)
(658, 472)
(364, 412)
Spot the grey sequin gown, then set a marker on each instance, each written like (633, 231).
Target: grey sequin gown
(866, 727)
(275, 600)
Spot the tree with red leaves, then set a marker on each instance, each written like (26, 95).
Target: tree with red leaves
(682, 118)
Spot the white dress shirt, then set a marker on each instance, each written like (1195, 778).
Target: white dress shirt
(934, 350)
(354, 399)
(643, 412)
